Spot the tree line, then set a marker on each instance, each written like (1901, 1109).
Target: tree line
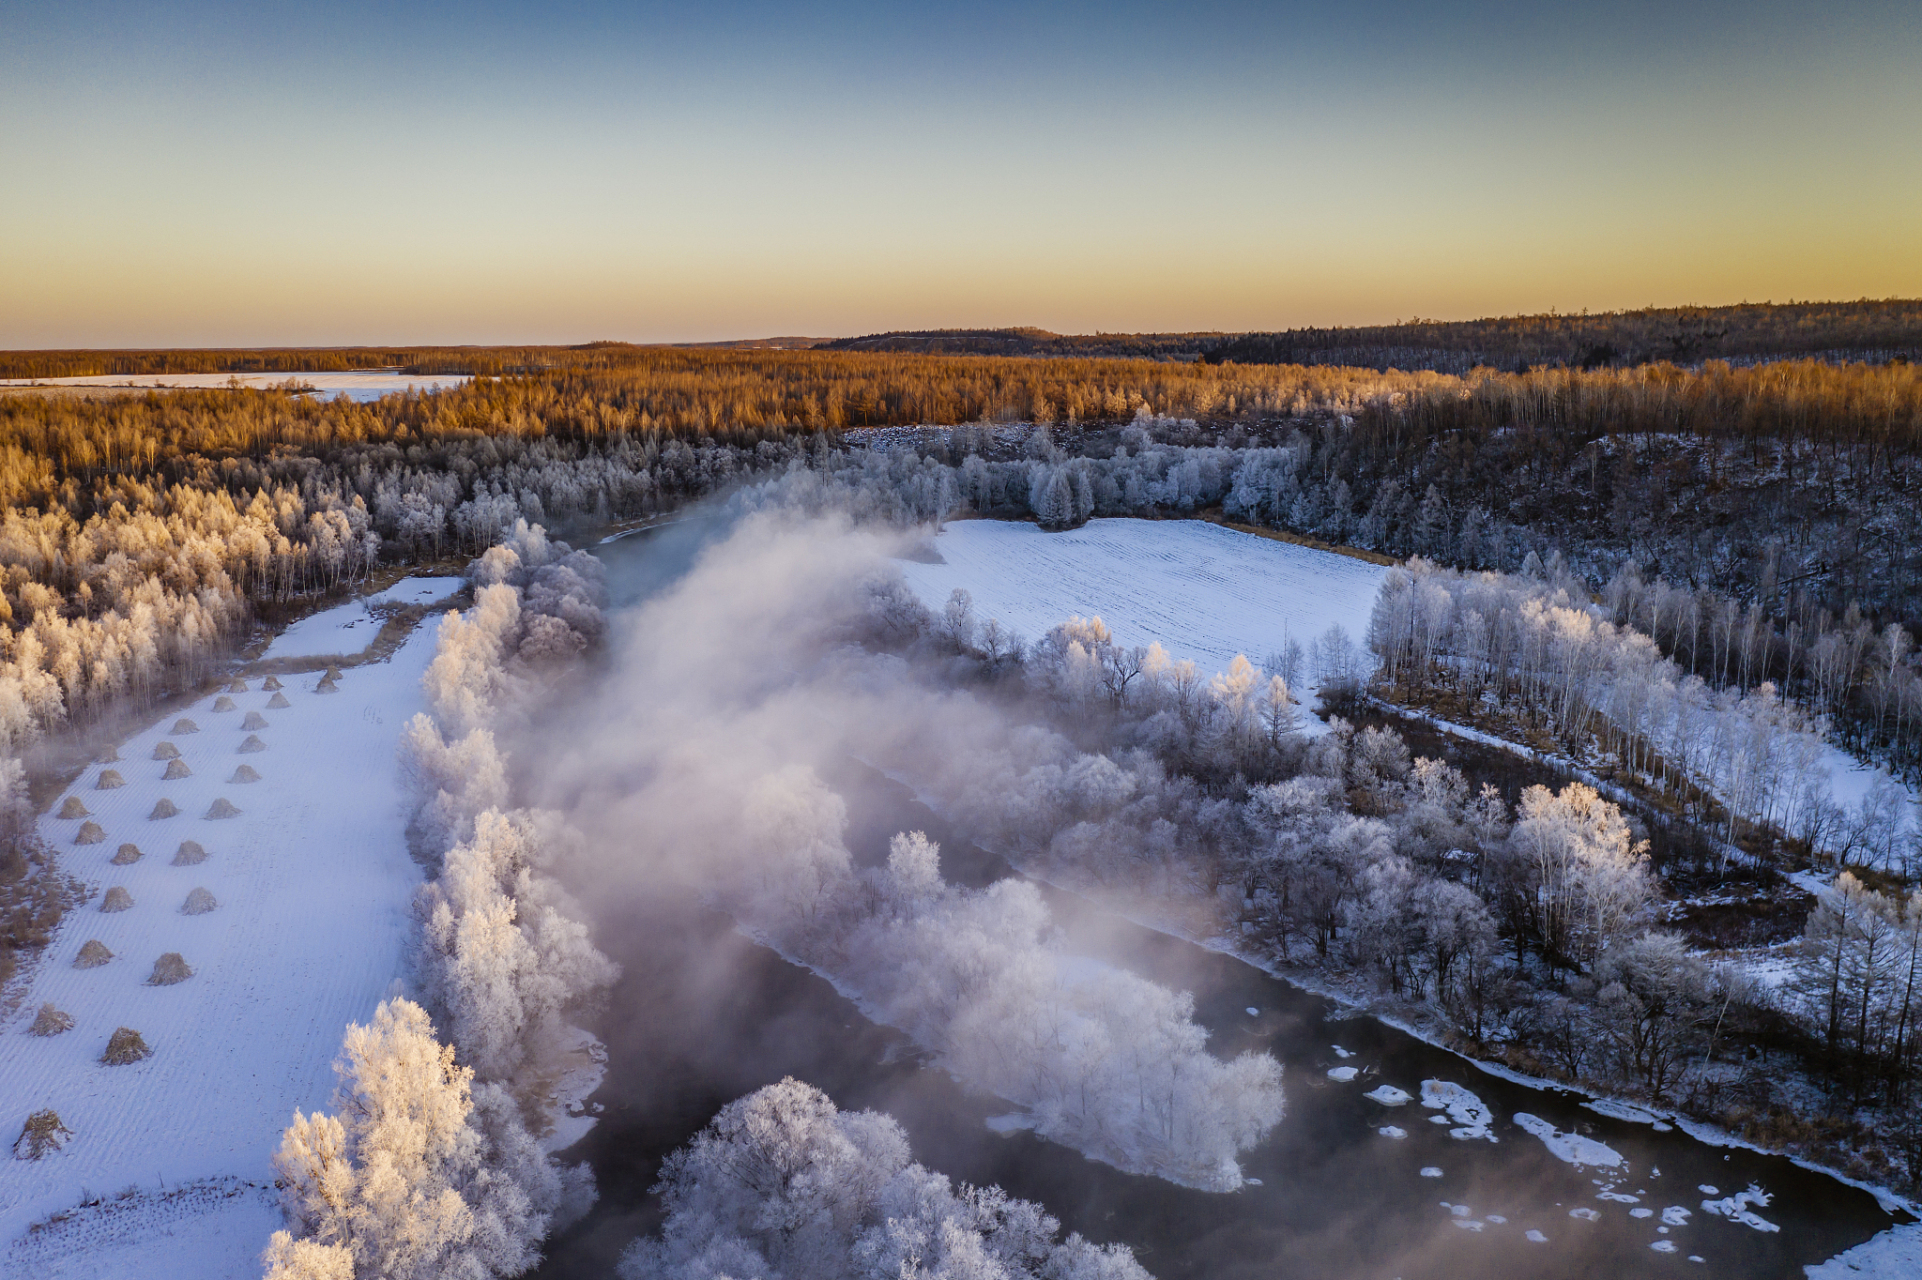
(1865, 330)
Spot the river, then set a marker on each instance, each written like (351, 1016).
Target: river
(702, 1016)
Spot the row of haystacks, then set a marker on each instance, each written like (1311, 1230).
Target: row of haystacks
(44, 1132)
(199, 901)
(172, 967)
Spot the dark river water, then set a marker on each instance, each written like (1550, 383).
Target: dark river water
(702, 1016)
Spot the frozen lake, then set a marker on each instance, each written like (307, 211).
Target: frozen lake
(362, 385)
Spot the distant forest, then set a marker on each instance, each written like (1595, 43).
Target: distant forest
(1868, 330)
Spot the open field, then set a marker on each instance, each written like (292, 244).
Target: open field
(312, 883)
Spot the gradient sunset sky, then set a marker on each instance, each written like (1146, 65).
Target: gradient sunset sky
(206, 173)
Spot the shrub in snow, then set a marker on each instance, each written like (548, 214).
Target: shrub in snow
(245, 773)
(184, 725)
(420, 1174)
(222, 808)
(271, 684)
(92, 955)
(116, 899)
(126, 855)
(164, 750)
(125, 1046)
(190, 854)
(108, 780)
(169, 969)
(176, 769)
(780, 1183)
(163, 808)
(278, 701)
(224, 703)
(73, 809)
(41, 1134)
(89, 833)
(50, 1021)
(198, 903)
(251, 745)
(254, 720)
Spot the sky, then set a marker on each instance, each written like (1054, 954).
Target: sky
(207, 173)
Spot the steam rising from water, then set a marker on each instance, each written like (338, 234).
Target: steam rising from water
(697, 767)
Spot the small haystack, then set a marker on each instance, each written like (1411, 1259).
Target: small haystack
(165, 751)
(198, 903)
(163, 808)
(117, 899)
(184, 725)
(74, 809)
(332, 673)
(222, 808)
(251, 745)
(169, 969)
(278, 702)
(245, 773)
(50, 1021)
(42, 1133)
(236, 685)
(224, 703)
(190, 854)
(108, 780)
(176, 769)
(327, 686)
(89, 833)
(92, 955)
(110, 756)
(126, 855)
(270, 684)
(125, 1046)
(254, 720)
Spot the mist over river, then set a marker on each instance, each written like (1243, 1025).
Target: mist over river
(702, 1016)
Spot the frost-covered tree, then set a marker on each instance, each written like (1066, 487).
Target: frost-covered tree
(418, 1174)
(783, 1184)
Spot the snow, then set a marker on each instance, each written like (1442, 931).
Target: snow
(1342, 1074)
(1736, 1208)
(1571, 1148)
(1430, 1171)
(1388, 1095)
(1253, 1012)
(1204, 592)
(348, 629)
(363, 386)
(1468, 1112)
(1895, 1254)
(315, 888)
(1616, 1110)
(1536, 1237)
(1392, 1131)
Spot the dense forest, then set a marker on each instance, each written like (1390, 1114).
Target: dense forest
(1874, 331)
(1781, 495)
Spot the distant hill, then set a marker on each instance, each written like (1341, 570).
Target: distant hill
(1034, 342)
(1874, 331)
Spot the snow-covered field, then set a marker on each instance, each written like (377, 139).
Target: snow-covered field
(1205, 592)
(350, 628)
(313, 883)
(370, 384)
